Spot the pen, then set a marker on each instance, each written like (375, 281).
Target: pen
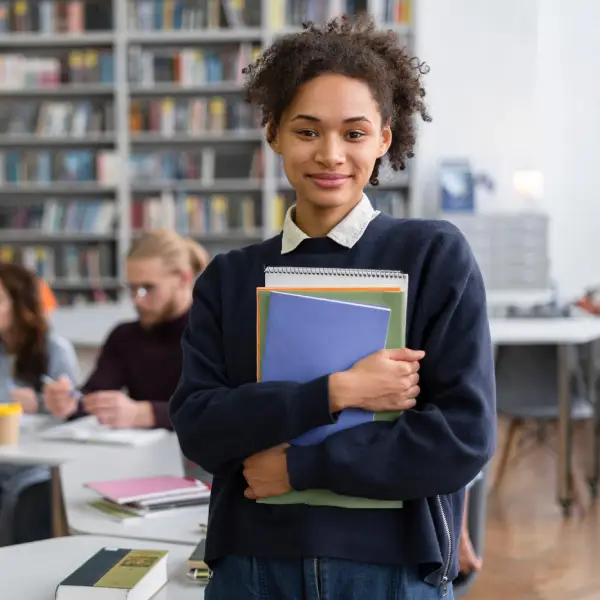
(74, 392)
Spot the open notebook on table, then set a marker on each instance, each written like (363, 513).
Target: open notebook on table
(87, 429)
(385, 290)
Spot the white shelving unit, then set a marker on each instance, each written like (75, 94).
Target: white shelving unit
(123, 190)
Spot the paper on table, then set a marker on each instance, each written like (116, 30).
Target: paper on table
(87, 429)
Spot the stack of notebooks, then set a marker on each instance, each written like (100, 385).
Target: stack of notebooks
(314, 322)
(128, 500)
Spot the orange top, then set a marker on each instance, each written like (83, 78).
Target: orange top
(48, 299)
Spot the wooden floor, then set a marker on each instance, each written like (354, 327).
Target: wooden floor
(531, 551)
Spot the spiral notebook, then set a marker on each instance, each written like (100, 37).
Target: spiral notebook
(317, 277)
(376, 287)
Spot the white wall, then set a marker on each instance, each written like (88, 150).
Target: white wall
(516, 85)
(480, 90)
(569, 144)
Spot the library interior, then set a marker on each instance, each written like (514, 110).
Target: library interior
(156, 189)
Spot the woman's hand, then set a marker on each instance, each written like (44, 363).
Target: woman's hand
(26, 397)
(266, 473)
(384, 381)
(59, 399)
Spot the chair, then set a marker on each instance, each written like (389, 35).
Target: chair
(18, 482)
(527, 391)
(477, 512)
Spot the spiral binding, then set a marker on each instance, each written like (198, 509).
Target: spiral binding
(378, 273)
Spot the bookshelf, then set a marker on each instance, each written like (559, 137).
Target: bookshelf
(119, 116)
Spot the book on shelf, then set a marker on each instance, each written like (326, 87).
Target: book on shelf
(170, 115)
(43, 167)
(86, 215)
(398, 11)
(77, 67)
(205, 165)
(189, 67)
(53, 118)
(67, 265)
(55, 16)
(334, 329)
(117, 574)
(194, 214)
(179, 15)
(87, 429)
(292, 13)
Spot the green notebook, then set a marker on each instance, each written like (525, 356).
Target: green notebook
(396, 338)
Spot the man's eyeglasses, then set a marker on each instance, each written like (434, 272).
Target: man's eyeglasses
(141, 290)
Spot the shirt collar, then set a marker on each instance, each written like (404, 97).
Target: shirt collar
(346, 233)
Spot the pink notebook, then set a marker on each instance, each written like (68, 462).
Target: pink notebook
(123, 491)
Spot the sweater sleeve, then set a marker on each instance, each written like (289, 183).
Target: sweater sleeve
(160, 408)
(108, 373)
(218, 424)
(442, 444)
(62, 359)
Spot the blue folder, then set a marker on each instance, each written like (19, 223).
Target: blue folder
(308, 337)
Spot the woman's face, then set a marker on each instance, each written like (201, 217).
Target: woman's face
(6, 310)
(329, 139)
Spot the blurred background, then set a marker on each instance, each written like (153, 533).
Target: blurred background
(121, 116)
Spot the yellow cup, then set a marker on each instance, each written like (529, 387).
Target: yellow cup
(10, 423)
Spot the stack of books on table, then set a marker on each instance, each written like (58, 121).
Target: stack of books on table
(314, 322)
(128, 500)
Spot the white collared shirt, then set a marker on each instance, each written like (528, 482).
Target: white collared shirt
(346, 233)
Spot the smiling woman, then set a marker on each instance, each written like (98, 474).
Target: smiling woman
(336, 101)
(330, 138)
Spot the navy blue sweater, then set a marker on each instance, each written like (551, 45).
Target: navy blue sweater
(222, 414)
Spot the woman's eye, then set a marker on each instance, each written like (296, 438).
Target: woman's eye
(306, 133)
(355, 135)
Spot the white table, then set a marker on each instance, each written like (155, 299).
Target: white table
(562, 333)
(32, 571)
(160, 458)
(569, 331)
(72, 464)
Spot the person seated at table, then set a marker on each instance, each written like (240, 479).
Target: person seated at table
(29, 349)
(143, 356)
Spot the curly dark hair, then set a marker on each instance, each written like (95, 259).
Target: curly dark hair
(30, 327)
(353, 47)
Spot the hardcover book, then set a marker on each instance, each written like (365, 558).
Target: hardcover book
(117, 574)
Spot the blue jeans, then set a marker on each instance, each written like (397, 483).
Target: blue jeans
(237, 578)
